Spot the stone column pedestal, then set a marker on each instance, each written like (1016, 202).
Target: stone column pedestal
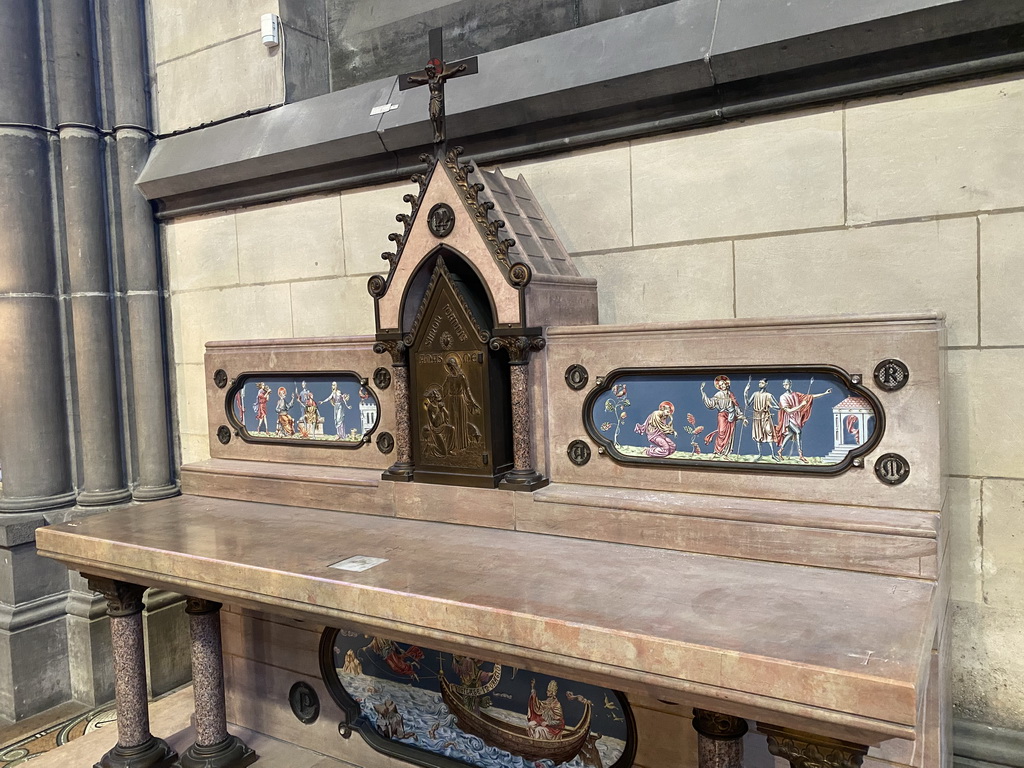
(805, 750)
(719, 739)
(402, 469)
(214, 747)
(523, 476)
(136, 746)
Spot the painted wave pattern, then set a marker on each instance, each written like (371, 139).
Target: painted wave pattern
(426, 715)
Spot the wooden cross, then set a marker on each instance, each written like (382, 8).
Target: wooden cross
(434, 75)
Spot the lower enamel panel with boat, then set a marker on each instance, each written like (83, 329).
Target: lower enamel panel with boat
(443, 710)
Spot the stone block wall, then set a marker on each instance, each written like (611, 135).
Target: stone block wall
(899, 203)
(209, 61)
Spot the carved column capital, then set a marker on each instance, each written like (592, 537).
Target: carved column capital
(197, 606)
(518, 347)
(395, 348)
(805, 750)
(123, 599)
(715, 725)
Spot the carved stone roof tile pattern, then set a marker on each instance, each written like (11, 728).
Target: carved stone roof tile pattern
(536, 243)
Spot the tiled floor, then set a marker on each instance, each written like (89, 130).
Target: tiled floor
(37, 735)
(171, 718)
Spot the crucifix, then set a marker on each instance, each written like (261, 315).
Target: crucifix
(434, 75)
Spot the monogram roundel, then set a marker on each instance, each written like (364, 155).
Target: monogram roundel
(382, 378)
(579, 452)
(892, 469)
(441, 220)
(892, 374)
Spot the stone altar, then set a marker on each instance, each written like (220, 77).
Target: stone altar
(622, 510)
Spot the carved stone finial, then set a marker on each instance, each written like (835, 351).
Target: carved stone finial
(805, 750)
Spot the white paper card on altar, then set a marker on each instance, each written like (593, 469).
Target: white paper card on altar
(358, 563)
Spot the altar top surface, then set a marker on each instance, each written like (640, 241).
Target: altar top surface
(801, 643)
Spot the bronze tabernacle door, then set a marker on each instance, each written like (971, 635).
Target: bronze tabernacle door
(459, 392)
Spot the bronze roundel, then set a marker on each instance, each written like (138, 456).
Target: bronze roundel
(892, 469)
(891, 374)
(220, 378)
(224, 434)
(441, 220)
(576, 376)
(385, 442)
(304, 702)
(579, 452)
(382, 378)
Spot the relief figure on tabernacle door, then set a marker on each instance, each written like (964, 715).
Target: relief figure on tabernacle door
(438, 434)
(459, 400)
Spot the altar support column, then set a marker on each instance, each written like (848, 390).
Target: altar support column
(401, 470)
(523, 476)
(719, 739)
(805, 750)
(214, 747)
(136, 746)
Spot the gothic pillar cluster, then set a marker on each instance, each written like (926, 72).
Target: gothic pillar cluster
(83, 387)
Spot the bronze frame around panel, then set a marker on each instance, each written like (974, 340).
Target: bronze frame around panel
(354, 719)
(851, 381)
(240, 431)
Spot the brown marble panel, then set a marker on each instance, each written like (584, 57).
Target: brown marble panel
(488, 507)
(869, 552)
(914, 425)
(301, 356)
(754, 636)
(338, 488)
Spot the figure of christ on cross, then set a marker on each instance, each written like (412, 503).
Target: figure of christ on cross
(434, 75)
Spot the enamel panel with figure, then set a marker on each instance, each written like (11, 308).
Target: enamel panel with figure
(799, 419)
(332, 409)
(445, 710)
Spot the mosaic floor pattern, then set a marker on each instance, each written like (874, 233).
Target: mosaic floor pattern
(29, 748)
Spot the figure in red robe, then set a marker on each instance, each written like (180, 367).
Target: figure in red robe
(794, 411)
(729, 412)
(401, 661)
(545, 717)
(260, 406)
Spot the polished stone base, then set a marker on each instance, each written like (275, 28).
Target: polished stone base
(104, 498)
(399, 473)
(523, 480)
(153, 754)
(230, 753)
(37, 503)
(156, 492)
